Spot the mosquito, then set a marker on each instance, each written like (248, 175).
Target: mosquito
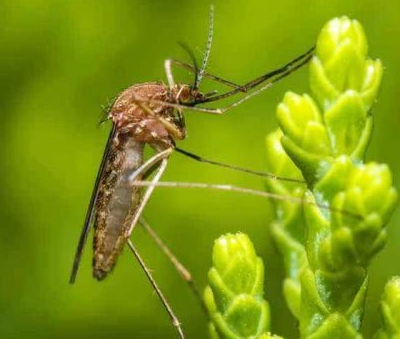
(151, 114)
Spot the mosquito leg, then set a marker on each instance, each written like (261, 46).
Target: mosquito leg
(168, 308)
(179, 106)
(173, 130)
(146, 196)
(150, 163)
(168, 72)
(267, 85)
(168, 63)
(272, 76)
(238, 102)
(236, 168)
(182, 270)
(269, 79)
(249, 191)
(216, 111)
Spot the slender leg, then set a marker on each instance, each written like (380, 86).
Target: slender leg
(182, 270)
(272, 80)
(277, 73)
(286, 69)
(179, 106)
(237, 168)
(168, 70)
(150, 163)
(172, 129)
(174, 319)
(167, 152)
(146, 196)
(249, 191)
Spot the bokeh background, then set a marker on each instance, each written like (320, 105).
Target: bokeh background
(60, 61)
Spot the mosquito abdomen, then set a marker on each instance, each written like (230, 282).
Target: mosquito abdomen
(116, 203)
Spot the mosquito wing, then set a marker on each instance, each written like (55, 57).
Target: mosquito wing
(91, 208)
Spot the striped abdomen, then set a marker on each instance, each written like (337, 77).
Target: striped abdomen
(116, 202)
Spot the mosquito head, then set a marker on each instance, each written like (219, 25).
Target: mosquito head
(187, 95)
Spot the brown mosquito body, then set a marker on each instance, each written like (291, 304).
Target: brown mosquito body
(117, 200)
(152, 114)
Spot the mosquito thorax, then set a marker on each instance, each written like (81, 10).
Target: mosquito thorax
(140, 112)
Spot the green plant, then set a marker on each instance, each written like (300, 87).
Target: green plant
(235, 292)
(328, 242)
(390, 311)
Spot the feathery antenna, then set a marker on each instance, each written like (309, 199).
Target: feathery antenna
(189, 51)
(208, 48)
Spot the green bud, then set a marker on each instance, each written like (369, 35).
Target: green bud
(362, 198)
(390, 311)
(340, 64)
(236, 263)
(374, 183)
(345, 84)
(300, 119)
(234, 297)
(369, 193)
(338, 32)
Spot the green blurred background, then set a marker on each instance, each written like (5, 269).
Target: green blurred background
(60, 61)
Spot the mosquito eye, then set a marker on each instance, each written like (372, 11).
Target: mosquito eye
(183, 99)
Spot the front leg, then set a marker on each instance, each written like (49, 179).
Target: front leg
(160, 171)
(168, 71)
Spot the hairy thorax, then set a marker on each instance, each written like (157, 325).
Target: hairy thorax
(137, 111)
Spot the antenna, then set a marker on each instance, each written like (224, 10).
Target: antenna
(208, 48)
(194, 61)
